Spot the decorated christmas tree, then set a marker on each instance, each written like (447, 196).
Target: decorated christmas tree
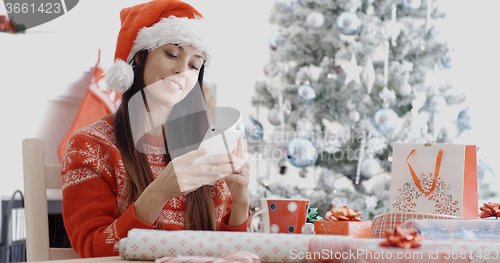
(346, 79)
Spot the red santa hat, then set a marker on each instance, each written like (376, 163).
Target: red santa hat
(149, 26)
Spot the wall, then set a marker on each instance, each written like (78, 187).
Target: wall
(43, 73)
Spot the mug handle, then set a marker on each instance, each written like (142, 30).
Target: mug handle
(253, 217)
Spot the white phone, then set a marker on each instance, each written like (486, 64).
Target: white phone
(214, 143)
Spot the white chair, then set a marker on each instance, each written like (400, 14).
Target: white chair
(38, 177)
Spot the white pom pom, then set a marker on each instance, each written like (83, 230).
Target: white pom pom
(120, 76)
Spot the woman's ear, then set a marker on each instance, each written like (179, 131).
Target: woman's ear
(137, 59)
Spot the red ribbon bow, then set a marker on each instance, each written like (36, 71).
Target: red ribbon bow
(490, 209)
(344, 213)
(402, 238)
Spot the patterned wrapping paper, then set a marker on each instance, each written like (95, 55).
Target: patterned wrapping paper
(389, 221)
(144, 244)
(152, 244)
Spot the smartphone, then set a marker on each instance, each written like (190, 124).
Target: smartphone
(214, 143)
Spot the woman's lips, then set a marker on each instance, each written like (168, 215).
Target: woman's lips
(174, 85)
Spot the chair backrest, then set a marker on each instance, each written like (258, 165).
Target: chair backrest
(38, 177)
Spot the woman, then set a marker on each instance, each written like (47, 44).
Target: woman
(133, 169)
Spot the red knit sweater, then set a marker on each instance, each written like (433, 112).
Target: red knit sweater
(95, 211)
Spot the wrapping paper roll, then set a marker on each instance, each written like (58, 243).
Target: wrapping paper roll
(147, 244)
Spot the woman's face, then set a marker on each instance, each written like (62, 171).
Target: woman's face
(171, 71)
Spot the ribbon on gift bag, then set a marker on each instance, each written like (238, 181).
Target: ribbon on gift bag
(436, 172)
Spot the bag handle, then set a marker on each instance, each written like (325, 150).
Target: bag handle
(436, 172)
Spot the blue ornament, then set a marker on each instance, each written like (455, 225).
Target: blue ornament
(276, 40)
(385, 120)
(411, 4)
(306, 93)
(463, 120)
(253, 129)
(301, 152)
(436, 104)
(446, 60)
(291, 4)
(348, 23)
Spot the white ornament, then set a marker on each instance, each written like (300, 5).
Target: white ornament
(315, 20)
(370, 167)
(353, 70)
(368, 75)
(405, 89)
(354, 116)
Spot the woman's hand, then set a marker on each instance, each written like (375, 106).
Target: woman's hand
(236, 172)
(177, 179)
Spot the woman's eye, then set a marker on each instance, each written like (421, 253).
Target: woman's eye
(171, 55)
(195, 67)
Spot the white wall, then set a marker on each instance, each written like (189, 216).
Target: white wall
(43, 73)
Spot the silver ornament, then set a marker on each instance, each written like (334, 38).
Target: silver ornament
(306, 93)
(274, 116)
(436, 104)
(348, 23)
(385, 120)
(411, 4)
(315, 20)
(253, 129)
(276, 40)
(370, 167)
(301, 152)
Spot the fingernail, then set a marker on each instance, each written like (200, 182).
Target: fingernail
(211, 158)
(204, 151)
(213, 168)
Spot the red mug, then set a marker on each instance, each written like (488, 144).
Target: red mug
(280, 215)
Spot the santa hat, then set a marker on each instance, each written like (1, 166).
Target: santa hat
(149, 26)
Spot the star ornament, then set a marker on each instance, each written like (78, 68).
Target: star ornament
(353, 70)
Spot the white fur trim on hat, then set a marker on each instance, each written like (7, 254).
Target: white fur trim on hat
(120, 76)
(171, 30)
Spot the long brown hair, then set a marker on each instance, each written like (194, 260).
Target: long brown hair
(200, 209)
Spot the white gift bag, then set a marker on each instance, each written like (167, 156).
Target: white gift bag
(434, 178)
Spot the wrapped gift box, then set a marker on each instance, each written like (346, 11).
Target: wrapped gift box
(389, 221)
(360, 229)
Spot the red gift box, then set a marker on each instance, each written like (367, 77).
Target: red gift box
(361, 229)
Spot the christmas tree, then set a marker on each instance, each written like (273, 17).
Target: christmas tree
(346, 79)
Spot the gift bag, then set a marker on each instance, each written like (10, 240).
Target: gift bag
(434, 178)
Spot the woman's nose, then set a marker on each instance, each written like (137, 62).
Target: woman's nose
(181, 68)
